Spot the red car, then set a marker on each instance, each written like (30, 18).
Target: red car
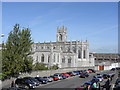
(65, 74)
(55, 78)
(89, 71)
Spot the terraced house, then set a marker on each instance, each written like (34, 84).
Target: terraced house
(63, 53)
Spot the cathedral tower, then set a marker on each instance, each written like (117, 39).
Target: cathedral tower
(61, 34)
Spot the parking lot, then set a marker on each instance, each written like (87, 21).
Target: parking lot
(74, 82)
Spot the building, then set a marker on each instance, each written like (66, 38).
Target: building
(63, 53)
(106, 61)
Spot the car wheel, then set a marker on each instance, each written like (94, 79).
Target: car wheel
(26, 87)
(16, 85)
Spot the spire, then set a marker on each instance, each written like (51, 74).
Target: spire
(57, 28)
(61, 34)
(63, 27)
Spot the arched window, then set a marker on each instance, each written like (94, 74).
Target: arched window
(68, 49)
(84, 54)
(58, 58)
(74, 49)
(47, 47)
(37, 58)
(54, 57)
(79, 54)
(48, 59)
(69, 60)
(54, 47)
(42, 58)
(63, 60)
(60, 37)
(42, 47)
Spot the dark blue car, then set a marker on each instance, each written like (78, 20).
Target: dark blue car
(95, 80)
(42, 80)
(77, 72)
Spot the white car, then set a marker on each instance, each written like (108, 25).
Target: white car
(100, 78)
(59, 76)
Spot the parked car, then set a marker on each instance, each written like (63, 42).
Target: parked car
(89, 71)
(59, 76)
(99, 77)
(24, 83)
(55, 78)
(105, 76)
(42, 80)
(76, 72)
(32, 79)
(98, 74)
(85, 71)
(65, 74)
(117, 84)
(117, 68)
(83, 75)
(50, 79)
(64, 77)
(93, 71)
(71, 73)
(95, 80)
(113, 69)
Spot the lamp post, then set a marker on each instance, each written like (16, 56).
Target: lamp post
(2, 35)
(115, 66)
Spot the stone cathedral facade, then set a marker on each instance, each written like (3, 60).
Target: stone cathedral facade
(63, 53)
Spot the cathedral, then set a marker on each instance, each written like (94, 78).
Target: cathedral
(63, 53)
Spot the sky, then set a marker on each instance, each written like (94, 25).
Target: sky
(95, 21)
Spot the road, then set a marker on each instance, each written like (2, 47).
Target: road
(72, 82)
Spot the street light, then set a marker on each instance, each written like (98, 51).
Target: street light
(2, 35)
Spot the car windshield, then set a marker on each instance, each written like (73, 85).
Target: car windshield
(44, 77)
(34, 79)
(55, 75)
(28, 81)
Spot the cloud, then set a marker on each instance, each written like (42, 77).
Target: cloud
(114, 27)
(60, 21)
(36, 21)
(105, 50)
